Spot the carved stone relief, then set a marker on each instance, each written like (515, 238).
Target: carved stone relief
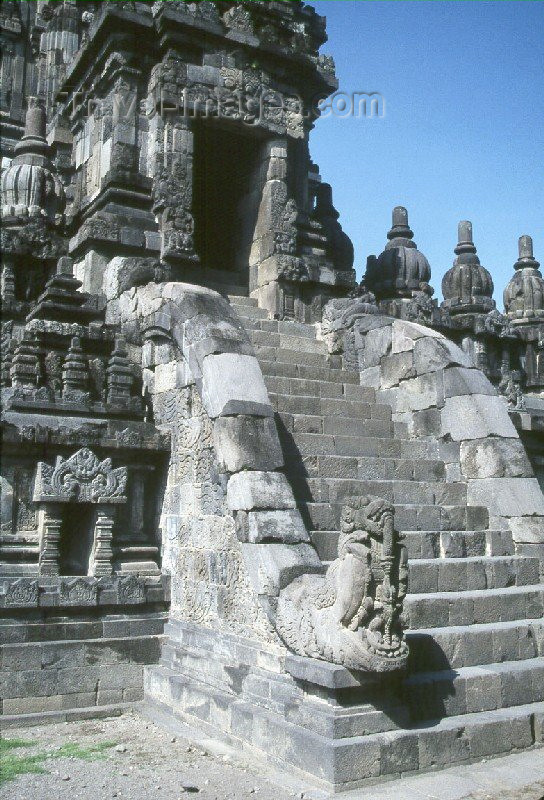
(80, 478)
(351, 616)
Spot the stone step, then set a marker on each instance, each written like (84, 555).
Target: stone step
(428, 576)
(335, 490)
(287, 342)
(308, 444)
(242, 300)
(249, 312)
(404, 469)
(430, 544)
(326, 389)
(424, 746)
(468, 646)
(457, 544)
(223, 286)
(443, 609)
(468, 690)
(356, 425)
(287, 327)
(331, 408)
(409, 517)
(304, 371)
(282, 355)
(65, 630)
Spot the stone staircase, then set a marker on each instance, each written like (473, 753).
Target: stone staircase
(475, 608)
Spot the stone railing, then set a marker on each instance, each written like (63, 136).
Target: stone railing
(234, 541)
(232, 535)
(435, 388)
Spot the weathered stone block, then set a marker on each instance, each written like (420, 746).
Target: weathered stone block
(377, 345)
(432, 354)
(396, 368)
(495, 458)
(460, 380)
(247, 443)
(233, 384)
(508, 497)
(280, 526)
(247, 491)
(416, 394)
(475, 417)
(272, 566)
(527, 530)
(405, 334)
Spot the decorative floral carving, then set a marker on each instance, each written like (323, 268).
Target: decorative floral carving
(80, 478)
(130, 589)
(351, 616)
(78, 591)
(292, 269)
(100, 227)
(238, 18)
(22, 592)
(35, 239)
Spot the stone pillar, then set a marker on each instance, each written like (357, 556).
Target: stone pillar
(119, 375)
(275, 271)
(50, 523)
(75, 374)
(173, 190)
(25, 368)
(8, 283)
(102, 553)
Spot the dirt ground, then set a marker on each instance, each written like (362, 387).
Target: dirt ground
(130, 758)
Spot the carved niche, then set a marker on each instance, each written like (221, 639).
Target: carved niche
(82, 478)
(352, 615)
(86, 548)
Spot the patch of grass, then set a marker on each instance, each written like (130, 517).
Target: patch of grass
(74, 750)
(12, 765)
(11, 744)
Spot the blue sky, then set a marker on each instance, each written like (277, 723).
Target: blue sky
(463, 132)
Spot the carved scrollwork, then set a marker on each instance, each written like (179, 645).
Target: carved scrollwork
(22, 592)
(81, 478)
(352, 615)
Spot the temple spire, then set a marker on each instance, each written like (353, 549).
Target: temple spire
(467, 287)
(400, 228)
(525, 253)
(33, 142)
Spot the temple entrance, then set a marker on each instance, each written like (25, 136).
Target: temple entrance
(228, 184)
(76, 538)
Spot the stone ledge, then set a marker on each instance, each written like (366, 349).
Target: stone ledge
(8, 721)
(82, 592)
(322, 673)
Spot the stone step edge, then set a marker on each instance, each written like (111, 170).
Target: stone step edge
(477, 627)
(100, 641)
(480, 719)
(8, 721)
(477, 670)
(477, 593)
(472, 559)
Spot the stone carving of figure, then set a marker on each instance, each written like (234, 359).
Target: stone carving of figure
(351, 615)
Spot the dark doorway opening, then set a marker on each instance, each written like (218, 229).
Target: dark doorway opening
(228, 184)
(76, 538)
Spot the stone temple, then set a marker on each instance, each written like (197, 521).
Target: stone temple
(238, 489)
